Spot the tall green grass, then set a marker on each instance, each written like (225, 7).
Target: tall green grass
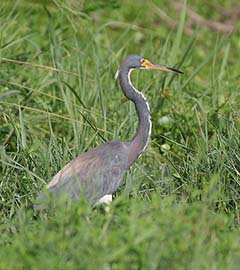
(178, 207)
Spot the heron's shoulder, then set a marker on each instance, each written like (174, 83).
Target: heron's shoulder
(106, 151)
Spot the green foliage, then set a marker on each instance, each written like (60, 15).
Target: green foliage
(134, 234)
(179, 205)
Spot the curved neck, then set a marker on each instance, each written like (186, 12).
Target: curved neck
(140, 140)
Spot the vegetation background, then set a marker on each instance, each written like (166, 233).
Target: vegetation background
(179, 205)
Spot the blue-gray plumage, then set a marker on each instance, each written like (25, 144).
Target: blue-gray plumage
(98, 173)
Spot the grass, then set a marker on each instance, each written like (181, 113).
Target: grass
(179, 205)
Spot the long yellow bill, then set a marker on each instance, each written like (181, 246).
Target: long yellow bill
(147, 64)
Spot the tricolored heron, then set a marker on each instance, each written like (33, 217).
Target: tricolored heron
(98, 173)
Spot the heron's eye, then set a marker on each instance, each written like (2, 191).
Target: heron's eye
(143, 61)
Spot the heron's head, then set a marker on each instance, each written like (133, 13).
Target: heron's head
(138, 62)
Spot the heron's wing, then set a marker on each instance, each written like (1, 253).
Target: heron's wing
(95, 173)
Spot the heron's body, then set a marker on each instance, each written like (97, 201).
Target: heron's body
(98, 173)
(94, 173)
